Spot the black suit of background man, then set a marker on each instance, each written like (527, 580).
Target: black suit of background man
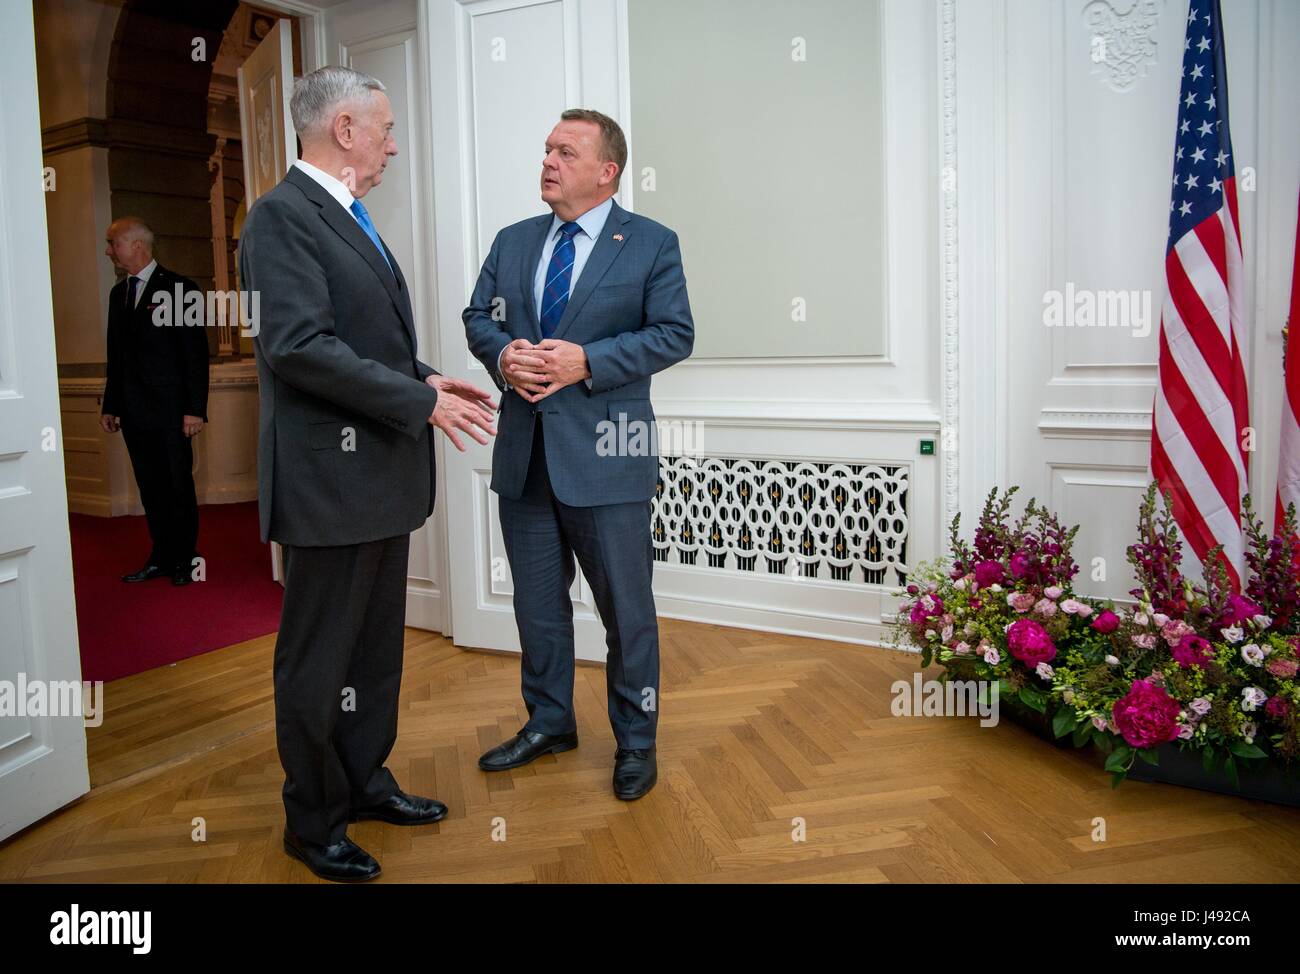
(157, 377)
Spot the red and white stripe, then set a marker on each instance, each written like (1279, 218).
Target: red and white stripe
(1288, 463)
(1201, 412)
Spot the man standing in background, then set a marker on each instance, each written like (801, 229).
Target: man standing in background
(156, 393)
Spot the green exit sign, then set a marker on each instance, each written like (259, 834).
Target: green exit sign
(927, 448)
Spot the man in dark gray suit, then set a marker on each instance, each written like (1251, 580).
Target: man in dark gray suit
(345, 466)
(572, 314)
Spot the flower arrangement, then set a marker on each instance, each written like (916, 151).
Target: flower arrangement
(1193, 664)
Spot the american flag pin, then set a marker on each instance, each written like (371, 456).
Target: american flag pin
(618, 237)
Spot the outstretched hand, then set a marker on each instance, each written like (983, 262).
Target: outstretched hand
(462, 406)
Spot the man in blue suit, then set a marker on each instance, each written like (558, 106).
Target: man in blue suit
(572, 314)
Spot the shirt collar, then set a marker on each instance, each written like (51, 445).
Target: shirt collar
(145, 272)
(592, 222)
(331, 185)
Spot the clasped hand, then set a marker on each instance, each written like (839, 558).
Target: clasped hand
(536, 371)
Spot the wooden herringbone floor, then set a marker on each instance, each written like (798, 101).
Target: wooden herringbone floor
(757, 730)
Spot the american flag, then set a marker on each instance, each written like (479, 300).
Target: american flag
(1198, 442)
(1288, 464)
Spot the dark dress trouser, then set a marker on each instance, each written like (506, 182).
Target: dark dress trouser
(163, 462)
(338, 670)
(613, 545)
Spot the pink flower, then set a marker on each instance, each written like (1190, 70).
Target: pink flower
(1053, 591)
(1174, 630)
(1045, 607)
(1099, 722)
(1020, 601)
(1029, 642)
(1146, 716)
(1106, 621)
(926, 607)
(1201, 706)
(1276, 707)
(1239, 610)
(988, 573)
(1146, 640)
(1283, 669)
(991, 655)
(1186, 731)
(1045, 671)
(1020, 564)
(1193, 650)
(962, 648)
(1076, 608)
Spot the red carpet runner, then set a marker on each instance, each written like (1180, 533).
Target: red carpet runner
(126, 628)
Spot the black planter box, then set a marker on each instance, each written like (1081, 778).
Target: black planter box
(1178, 766)
(1031, 720)
(1183, 767)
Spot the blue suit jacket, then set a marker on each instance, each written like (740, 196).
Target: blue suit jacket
(630, 312)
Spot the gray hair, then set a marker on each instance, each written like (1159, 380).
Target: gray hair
(318, 97)
(133, 228)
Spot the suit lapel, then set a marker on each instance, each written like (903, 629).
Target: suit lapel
(603, 255)
(536, 244)
(347, 227)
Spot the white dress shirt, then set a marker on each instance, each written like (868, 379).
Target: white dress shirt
(143, 274)
(591, 223)
(334, 187)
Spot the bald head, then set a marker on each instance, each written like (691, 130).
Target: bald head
(130, 243)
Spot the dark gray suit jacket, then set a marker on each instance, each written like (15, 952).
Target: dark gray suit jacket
(345, 451)
(157, 374)
(630, 312)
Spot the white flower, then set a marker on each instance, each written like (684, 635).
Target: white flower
(1045, 671)
(1112, 660)
(1200, 706)
(969, 630)
(1160, 619)
(991, 655)
(995, 587)
(1248, 730)
(1232, 634)
(1252, 654)
(1067, 695)
(961, 649)
(947, 633)
(960, 585)
(1263, 621)
(1140, 619)
(1252, 698)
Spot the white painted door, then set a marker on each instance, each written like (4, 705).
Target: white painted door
(383, 38)
(42, 757)
(501, 73)
(266, 131)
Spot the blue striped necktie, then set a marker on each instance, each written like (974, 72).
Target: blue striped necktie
(555, 294)
(363, 219)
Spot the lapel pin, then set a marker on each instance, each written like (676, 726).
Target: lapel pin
(618, 237)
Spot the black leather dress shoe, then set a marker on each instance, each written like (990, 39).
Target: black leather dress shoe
(144, 574)
(635, 772)
(403, 809)
(524, 747)
(181, 575)
(342, 862)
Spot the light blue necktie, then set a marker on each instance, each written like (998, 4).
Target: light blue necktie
(363, 219)
(555, 293)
